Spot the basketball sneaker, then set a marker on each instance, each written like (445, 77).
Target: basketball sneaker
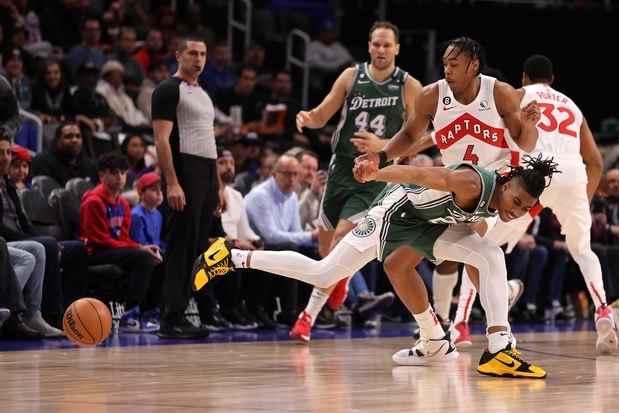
(508, 363)
(515, 289)
(130, 321)
(607, 331)
(5, 313)
(302, 329)
(427, 351)
(214, 262)
(461, 335)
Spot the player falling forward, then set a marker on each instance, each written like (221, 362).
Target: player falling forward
(404, 219)
(565, 135)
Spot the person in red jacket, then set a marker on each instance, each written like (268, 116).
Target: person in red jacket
(105, 219)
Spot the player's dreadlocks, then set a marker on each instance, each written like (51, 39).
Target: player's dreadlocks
(533, 174)
(468, 46)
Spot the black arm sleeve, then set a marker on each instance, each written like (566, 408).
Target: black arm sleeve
(165, 100)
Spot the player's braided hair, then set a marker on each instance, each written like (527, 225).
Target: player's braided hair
(533, 174)
(468, 46)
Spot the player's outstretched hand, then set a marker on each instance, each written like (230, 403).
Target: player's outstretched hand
(366, 141)
(530, 113)
(303, 117)
(365, 167)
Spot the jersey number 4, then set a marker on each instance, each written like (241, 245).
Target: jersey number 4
(550, 122)
(378, 125)
(470, 156)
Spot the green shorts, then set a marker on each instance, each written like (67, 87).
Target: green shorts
(344, 197)
(391, 223)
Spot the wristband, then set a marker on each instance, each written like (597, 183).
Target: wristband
(382, 156)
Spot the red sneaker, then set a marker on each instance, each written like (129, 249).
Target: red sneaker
(462, 335)
(607, 331)
(302, 329)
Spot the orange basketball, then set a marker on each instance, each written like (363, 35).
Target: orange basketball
(87, 322)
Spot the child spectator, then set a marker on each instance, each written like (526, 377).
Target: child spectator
(146, 220)
(19, 170)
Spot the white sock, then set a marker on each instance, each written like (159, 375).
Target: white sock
(442, 292)
(498, 341)
(316, 301)
(429, 327)
(468, 293)
(239, 258)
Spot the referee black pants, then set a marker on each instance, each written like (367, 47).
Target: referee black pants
(187, 231)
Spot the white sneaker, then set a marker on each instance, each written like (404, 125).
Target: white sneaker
(515, 289)
(607, 332)
(427, 351)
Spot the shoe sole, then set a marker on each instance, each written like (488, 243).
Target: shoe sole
(517, 297)
(607, 337)
(182, 336)
(510, 375)
(300, 338)
(427, 362)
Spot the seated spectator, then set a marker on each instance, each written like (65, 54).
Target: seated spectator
(9, 110)
(123, 53)
(51, 97)
(12, 305)
(152, 49)
(273, 211)
(65, 160)
(90, 50)
(218, 74)
(157, 73)
(309, 166)
(28, 260)
(255, 58)
(111, 87)
(245, 181)
(146, 220)
(309, 201)
(244, 96)
(134, 148)
(612, 180)
(19, 170)
(105, 220)
(19, 81)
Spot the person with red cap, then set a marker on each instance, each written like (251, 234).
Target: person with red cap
(146, 220)
(19, 169)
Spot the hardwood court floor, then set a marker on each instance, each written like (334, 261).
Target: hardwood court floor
(330, 376)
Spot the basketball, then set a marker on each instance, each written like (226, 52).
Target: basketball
(87, 322)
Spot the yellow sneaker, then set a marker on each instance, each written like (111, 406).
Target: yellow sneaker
(214, 262)
(507, 363)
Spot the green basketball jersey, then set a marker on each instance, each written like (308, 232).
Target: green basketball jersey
(376, 107)
(439, 207)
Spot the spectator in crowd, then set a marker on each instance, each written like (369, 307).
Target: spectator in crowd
(61, 22)
(152, 49)
(17, 39)
(105, 220)
(278, 114)
(309, 166)
(273, 211)
(12, 305)
(218, 75)
(602, 239)
(9, 110)
(15, 226)
(20, 82)
(309, 201)
(326, 57)
(112, 88)
(90, 50)
(91, 108)
(242, 95)
(157, 73)
(612, 180)
(51, 97)
(134, 148)
(255, 58)
(123, 53)
(245, 181)
(28, 259)
(19, 170)
(65, 160)
(146, 220)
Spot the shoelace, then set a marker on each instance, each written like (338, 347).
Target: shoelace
(515, 354)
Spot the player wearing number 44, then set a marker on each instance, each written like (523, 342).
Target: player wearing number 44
(378, 97)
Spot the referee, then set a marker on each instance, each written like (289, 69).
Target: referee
(183, 115)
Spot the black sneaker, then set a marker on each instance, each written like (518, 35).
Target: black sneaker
(264, 321)
(238, 320)
(180, 328)
(367, 307)
(325, 319)
(213, 262)
(215, 321)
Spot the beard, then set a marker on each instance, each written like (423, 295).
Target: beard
(227, 177)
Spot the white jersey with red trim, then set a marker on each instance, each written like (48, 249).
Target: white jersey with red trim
(559, 126)
(473, 133)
